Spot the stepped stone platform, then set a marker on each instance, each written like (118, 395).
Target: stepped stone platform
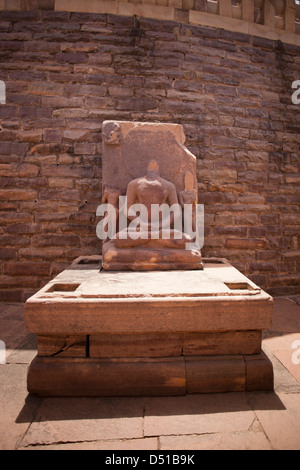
(148, 333)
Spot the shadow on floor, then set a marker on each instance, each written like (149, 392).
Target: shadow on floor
(69, 409)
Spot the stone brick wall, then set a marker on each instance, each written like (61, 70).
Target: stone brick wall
(67, 72)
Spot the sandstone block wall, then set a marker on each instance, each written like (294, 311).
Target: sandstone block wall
(65, 73)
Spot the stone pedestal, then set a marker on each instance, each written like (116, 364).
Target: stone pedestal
(148, 333)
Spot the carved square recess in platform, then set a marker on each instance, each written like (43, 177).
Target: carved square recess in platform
(238, 286)
(60, 287)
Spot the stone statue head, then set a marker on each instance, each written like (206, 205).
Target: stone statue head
(112, 133)
(153, 166)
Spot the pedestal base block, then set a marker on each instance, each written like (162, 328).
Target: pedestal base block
(148, 376)
(148, 333)
(259, 372)
(108, 377)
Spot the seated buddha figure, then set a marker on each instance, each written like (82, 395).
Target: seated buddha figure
(155, 199)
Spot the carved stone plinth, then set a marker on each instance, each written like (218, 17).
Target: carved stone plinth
(148, 333)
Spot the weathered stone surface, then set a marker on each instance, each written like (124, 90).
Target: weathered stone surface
(145, 141)
(199, 414)
(146, 345)
(279, 416)
(259, 372)
(145, 376)
(14, 396)
(107, 377)
(227, 342)
(215, 374)
(175, 344)
(85, 419)
(255, 440)
(62, 346)
(82, 300)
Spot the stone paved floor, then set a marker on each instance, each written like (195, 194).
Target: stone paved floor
(241, 420)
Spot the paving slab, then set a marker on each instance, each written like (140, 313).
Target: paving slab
(290, 360)
(284, 381)
(286, 316)
(283, 342)
(198, 414)
(69, 420)
(14, 399)
(286, 348)
(249, 440)
(125, 444)
(12, 326)
(281, 425)
(24, 352)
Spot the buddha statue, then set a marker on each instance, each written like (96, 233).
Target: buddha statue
(152, 192)
(153, 237)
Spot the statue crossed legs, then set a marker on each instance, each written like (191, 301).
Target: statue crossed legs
(150, 242)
